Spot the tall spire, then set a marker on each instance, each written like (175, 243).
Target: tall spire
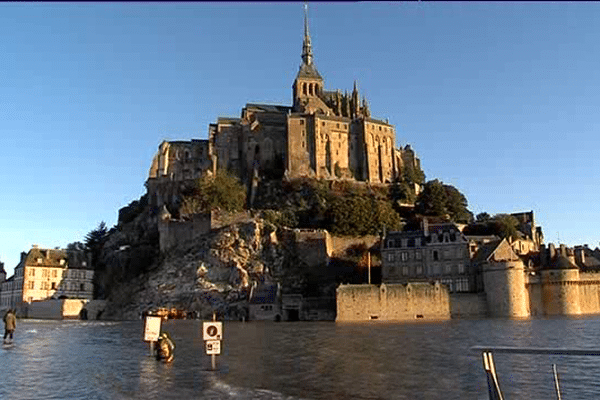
(307, 56)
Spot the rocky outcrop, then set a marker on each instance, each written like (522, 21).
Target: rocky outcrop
(213, 272)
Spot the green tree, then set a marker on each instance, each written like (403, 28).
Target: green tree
(483, 217)
(438, 199)
(432, 200)
(505, 226)
(456, 205)
(94, 242)
(222, 191)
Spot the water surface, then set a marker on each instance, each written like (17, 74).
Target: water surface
(303, 360)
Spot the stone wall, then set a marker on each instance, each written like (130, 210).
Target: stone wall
(504, 284)
(64, 309)
(468, 305)
(312, 246)
(339, 244)
(564, 292)
(392, 302)
(172, 232)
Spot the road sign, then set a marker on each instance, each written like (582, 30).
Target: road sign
(152, 329)
(213, 347)
(212, 330)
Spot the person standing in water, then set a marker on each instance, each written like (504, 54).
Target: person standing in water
(164, 351)
(10, 324)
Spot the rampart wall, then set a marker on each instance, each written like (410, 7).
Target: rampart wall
(468, 305)
(172, 232)
(64, 308)
(393, 302)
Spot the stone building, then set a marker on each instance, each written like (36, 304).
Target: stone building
(47, 273)
(323, 134)
(437, 252)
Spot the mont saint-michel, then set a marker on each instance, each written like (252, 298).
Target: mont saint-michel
(304, 211)
(351, 201)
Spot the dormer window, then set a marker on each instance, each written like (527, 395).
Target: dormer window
(62, 261)
(39, 260)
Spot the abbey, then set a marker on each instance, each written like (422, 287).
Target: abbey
(323, 134)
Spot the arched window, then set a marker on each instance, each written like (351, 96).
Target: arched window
(311, 89)
(304, 89)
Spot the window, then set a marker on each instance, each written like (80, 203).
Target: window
(461, 268)
(31, 285)
(83, 264)
(301, 122)
(419, 270)
(323, 124)
(32, 272)
(44, 273)
(55, 273)
(82, 287)
(447, 268)
(404, 271)
(404, 255)
(390, 257)
(62, 261)
(53, 285)
(418, 254)
(435, 255)
(446, 254)
(39, 260)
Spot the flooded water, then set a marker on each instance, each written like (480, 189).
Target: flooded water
(321, 360)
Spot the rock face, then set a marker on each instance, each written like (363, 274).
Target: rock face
(213, 272)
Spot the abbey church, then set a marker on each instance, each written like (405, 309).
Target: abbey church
(323, 134)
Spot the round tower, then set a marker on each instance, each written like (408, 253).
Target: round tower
(560, 284)
(504, 283)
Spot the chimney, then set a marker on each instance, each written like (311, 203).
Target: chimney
(543, 256)
(563, 250)
(551, 252)
(570, 255)
(580, 256)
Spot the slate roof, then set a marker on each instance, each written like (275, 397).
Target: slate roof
(485, 251)
(274, 108)
(50, 257)
(561, 262)
(308, 71)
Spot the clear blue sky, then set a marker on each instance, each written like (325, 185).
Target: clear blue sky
(501, 100)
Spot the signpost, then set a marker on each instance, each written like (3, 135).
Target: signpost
(212, 333)
(152, 331)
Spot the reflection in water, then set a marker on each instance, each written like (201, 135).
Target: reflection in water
(321, 360)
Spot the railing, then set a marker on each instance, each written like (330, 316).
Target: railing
(490, 369)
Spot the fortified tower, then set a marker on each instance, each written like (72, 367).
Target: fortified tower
(504, 280)
(560, 281)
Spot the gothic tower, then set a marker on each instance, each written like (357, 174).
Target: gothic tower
(308, 85)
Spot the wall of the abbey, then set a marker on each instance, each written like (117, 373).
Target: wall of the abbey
(380, 141)
(392, 302)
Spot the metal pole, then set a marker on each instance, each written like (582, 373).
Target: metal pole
(556, 386)
(213, 357)
(151, 349)
(369, 266)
